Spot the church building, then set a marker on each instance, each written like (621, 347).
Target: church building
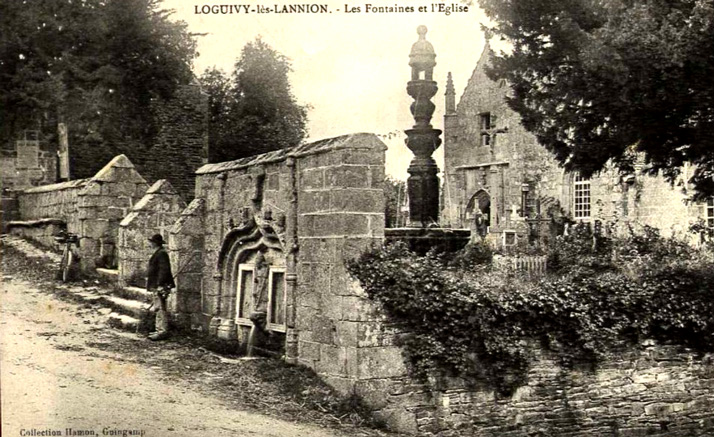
(499, 181)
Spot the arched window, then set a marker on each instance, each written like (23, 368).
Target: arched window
(581, 198)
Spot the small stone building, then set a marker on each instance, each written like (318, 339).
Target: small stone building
(27, 161)
(497, 175)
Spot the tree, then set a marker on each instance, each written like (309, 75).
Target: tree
(95, 65)
(395, 198)
(596, 80)
(258, 112)
(219, 89)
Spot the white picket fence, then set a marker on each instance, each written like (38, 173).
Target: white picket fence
(532, 265)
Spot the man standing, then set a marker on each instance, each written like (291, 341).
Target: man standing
(159, 281)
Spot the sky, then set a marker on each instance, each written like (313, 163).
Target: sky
(351, 68)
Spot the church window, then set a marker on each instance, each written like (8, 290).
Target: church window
(485, 127)
(485, 121)
(581, 197)
(710, 212)
(246, 273)
(276, 300)
(529, 206)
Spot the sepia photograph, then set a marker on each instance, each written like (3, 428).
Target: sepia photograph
(456, 218)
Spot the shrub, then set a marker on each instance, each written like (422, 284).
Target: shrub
(603, 294)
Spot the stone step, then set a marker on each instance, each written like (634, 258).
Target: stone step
(29, 249)
(123, 322)
(128, 307)
(82, 294)
(133, 293)
(110, 275)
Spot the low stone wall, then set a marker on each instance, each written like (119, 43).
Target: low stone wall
(44, 211)
(40, 231)
(155, 213)
(91, 208)
(51, 201)
(659, 390)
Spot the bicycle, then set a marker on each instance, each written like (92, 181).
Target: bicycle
(69, 259)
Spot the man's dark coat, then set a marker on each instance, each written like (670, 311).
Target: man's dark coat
(159, 271)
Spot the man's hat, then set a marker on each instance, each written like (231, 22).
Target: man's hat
(157, 239)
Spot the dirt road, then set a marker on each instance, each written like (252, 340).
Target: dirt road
(56, 377)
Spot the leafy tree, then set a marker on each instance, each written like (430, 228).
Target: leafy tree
(95, 65)
(596, 80)
(220, 98)
(395, 195)
(258, 113)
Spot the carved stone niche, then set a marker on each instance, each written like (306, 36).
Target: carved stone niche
(251, 268)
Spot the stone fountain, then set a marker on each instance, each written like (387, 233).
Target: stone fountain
(423, 231)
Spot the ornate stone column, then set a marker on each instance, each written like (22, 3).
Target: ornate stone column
(422, 139)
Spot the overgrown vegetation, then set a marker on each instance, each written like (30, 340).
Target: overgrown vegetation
(464, 317)
(595, 81)
(94, 65)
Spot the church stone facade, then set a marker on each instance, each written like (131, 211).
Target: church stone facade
(498, 177)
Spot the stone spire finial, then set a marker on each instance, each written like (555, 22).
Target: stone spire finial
(450, 84)
(450, 95)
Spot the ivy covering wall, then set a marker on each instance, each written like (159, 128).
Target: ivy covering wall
(461, 316)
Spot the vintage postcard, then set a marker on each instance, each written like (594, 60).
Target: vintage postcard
(348, 218)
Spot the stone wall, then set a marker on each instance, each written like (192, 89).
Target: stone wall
(340, 215)
(51, 201)
(155, 213)
(309, 209)
(103, 202)
(658, 390)
(43, 211)
(91, 208)
(40, 231)
(313, 205)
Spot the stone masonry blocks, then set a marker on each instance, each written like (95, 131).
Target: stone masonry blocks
(348, 176)
(154, 213)
(104, 200)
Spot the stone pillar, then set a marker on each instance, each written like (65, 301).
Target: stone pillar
(186, 248)
(422, 139)
(155, 213)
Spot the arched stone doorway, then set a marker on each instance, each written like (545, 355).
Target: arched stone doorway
(478, 212)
